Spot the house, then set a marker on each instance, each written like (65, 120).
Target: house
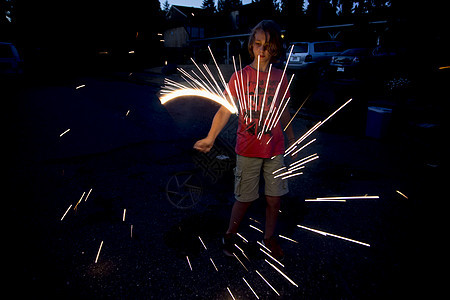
(183, 24)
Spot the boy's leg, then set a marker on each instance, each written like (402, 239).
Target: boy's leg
(272, 210)
(237, 214)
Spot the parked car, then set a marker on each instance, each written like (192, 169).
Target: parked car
(312, 54)
(351, 63)
(10, 62)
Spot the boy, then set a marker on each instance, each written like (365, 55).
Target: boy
(256, 150)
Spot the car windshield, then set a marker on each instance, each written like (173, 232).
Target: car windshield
(356, 51)
(327, 47)
(300, 48)
(5, 51)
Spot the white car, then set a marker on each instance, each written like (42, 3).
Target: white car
(308, 54)
(10, 62)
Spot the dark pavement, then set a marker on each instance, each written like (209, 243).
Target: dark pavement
(125, 146)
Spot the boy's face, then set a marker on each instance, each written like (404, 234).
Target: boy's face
(261, 46)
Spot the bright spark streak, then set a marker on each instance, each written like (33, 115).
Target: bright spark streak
(265, 93)
(289, 123)
(267, 283)
(303, 160)
(128, 111)
(348, 198)
(124, 212)
(288, 172)
(240, 262)
(198, 93)
(202, 243)
(243, 238)
(80, 86)
(64, 132)
(81, 198)
(402, 194)
(286, 238)
(98, 253)
(70, 206)
(273, 258)
(333, 235)
(279, 271)
(264, 246)
(131, 231)
(303, 147)
(242, 251)
(231, 294)
(276, 171)
(87, 195)
(223, 80)
(255, 220)
(331, 200)
(190, 267)
(256, 228)
(292, 175)
(214, 265)
(309, 132)
(250, 288)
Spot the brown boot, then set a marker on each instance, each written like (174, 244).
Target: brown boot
(276, 251)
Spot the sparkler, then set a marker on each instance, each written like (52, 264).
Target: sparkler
(98, 253)
(207, 87)
(80, 86)
(123, 216)
(333, 235)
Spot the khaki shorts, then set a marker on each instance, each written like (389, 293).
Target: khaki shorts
(247, 176)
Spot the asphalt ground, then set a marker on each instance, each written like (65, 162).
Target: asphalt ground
(128, 160)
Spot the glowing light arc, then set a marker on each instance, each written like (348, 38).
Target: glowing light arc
(197, 93)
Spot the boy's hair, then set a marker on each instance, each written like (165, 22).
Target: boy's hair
(273, 30)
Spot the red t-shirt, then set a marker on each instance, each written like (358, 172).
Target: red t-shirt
(250, 142)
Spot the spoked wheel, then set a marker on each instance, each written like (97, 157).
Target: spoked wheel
(184, 190)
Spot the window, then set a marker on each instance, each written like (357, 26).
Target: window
(300, 48)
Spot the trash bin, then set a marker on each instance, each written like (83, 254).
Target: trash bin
(378, 120)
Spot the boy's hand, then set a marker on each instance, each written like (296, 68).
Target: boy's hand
(204, 145)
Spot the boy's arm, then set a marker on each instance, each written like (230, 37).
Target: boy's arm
(220, 120)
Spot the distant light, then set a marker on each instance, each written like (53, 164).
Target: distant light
(131, 52)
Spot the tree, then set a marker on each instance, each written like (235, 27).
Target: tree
(228, 5)
(209, 6)
(166, 6)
